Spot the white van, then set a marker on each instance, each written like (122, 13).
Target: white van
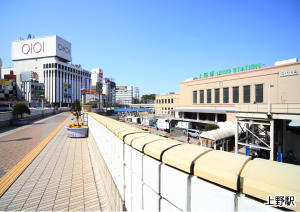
(194, 133)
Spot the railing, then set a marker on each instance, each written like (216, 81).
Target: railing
(274, 108)
(152, 173)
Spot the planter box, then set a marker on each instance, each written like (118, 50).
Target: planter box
(56, 111)
(78, 132)
(87, 108)
(19, 122)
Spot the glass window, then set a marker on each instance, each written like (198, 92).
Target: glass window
(162, 108)
(235, 95)
(194, 97)
(217, 95)
(225, 95)
(59, 66)
(247, 94)
(259, 93)
(172, 101)
(162, 101)
(169, 101)
(208, 93)
(201, 96)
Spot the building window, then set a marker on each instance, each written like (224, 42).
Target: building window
(201, 96)
(159, 102)
(259, 93)
(247, 94)
(162, 101)
(235, 95)
(194, 97)
(58, 66)
(225, 95)
(208, 93)
(217, 95)
(169, 101)
(162, 108)
(172, 101)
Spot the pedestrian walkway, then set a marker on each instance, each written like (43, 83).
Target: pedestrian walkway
(60, 178)
(17, 142)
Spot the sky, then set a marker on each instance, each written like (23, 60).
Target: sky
(157, 44)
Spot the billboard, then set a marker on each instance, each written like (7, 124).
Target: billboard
(41, 47)
(38, 93)
(121, 88)
(67, 90)
(100, 73)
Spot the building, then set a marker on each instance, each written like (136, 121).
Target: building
(124, 95)
(50, 58)
(136, 94)
(109, 91)
(255, 98)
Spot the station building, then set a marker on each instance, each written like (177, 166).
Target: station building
(255, 98)
(50, 58)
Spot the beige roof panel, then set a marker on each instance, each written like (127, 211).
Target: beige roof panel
(129, 138)
(218, 134)
(118, 130)
(123, 133)
(140, 143)
(183, 156)
(261, 178)
(221, 167)
(157, 148)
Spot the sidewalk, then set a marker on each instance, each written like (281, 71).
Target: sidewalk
(17, 142)
(60, 178)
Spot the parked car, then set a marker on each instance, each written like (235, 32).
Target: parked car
(163, 135)
(194, 133)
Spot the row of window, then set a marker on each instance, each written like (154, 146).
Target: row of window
(164, 101)
(235, 95)
(66, 68)
(166, 108)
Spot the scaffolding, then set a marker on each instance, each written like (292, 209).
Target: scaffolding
(255, 134)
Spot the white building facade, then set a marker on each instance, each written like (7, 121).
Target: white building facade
(124, 95)
(50, 57)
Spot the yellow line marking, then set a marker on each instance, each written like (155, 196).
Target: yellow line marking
(10, 177)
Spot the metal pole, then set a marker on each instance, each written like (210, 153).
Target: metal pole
(272, 140)
(236, 136)
(99, 98)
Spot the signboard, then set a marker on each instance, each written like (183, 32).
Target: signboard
(38, 93)
(228, 71)
(289, 73)
(100, 73)
(121, 88)
(49, 46)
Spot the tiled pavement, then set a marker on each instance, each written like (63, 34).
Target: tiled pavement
(61, 178)
(16, 142)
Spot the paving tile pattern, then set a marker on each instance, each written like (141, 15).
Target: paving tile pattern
(17, 142)
(61, 178)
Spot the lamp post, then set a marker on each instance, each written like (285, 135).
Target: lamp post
(269, 99)
(42, 96)
(82, 93)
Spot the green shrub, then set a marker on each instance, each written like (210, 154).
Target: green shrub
(76, 110)
(20, 109)
(210, 127)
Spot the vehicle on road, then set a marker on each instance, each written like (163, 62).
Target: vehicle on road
(163, 135)
(145, 129)
(183, 125)
(163, 124)
(194, 133)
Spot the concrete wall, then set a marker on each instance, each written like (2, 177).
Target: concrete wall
(184, 177)
(6, 117)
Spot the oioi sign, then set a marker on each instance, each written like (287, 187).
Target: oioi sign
(229, 71)
(41, 47)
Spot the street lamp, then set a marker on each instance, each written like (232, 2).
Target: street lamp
(82, 93)
(269, 99)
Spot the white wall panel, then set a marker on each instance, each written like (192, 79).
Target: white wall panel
(151, 199)
(151, 173)
(246, 204)
(137, 163)
(175, 187)
(136, 207)
(127, 156)
(165, 206)
(128, 180)
(205, 195)
(128, 200)
(137, 191)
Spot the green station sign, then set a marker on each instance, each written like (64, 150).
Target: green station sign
(229, 71)
(38, 93)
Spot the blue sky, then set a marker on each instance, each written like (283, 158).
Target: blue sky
(157, 44)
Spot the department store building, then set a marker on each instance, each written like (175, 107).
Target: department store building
(48, 61)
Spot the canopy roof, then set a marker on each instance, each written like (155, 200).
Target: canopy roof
(218, 134)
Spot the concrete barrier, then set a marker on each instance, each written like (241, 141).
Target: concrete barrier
(151, 173)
